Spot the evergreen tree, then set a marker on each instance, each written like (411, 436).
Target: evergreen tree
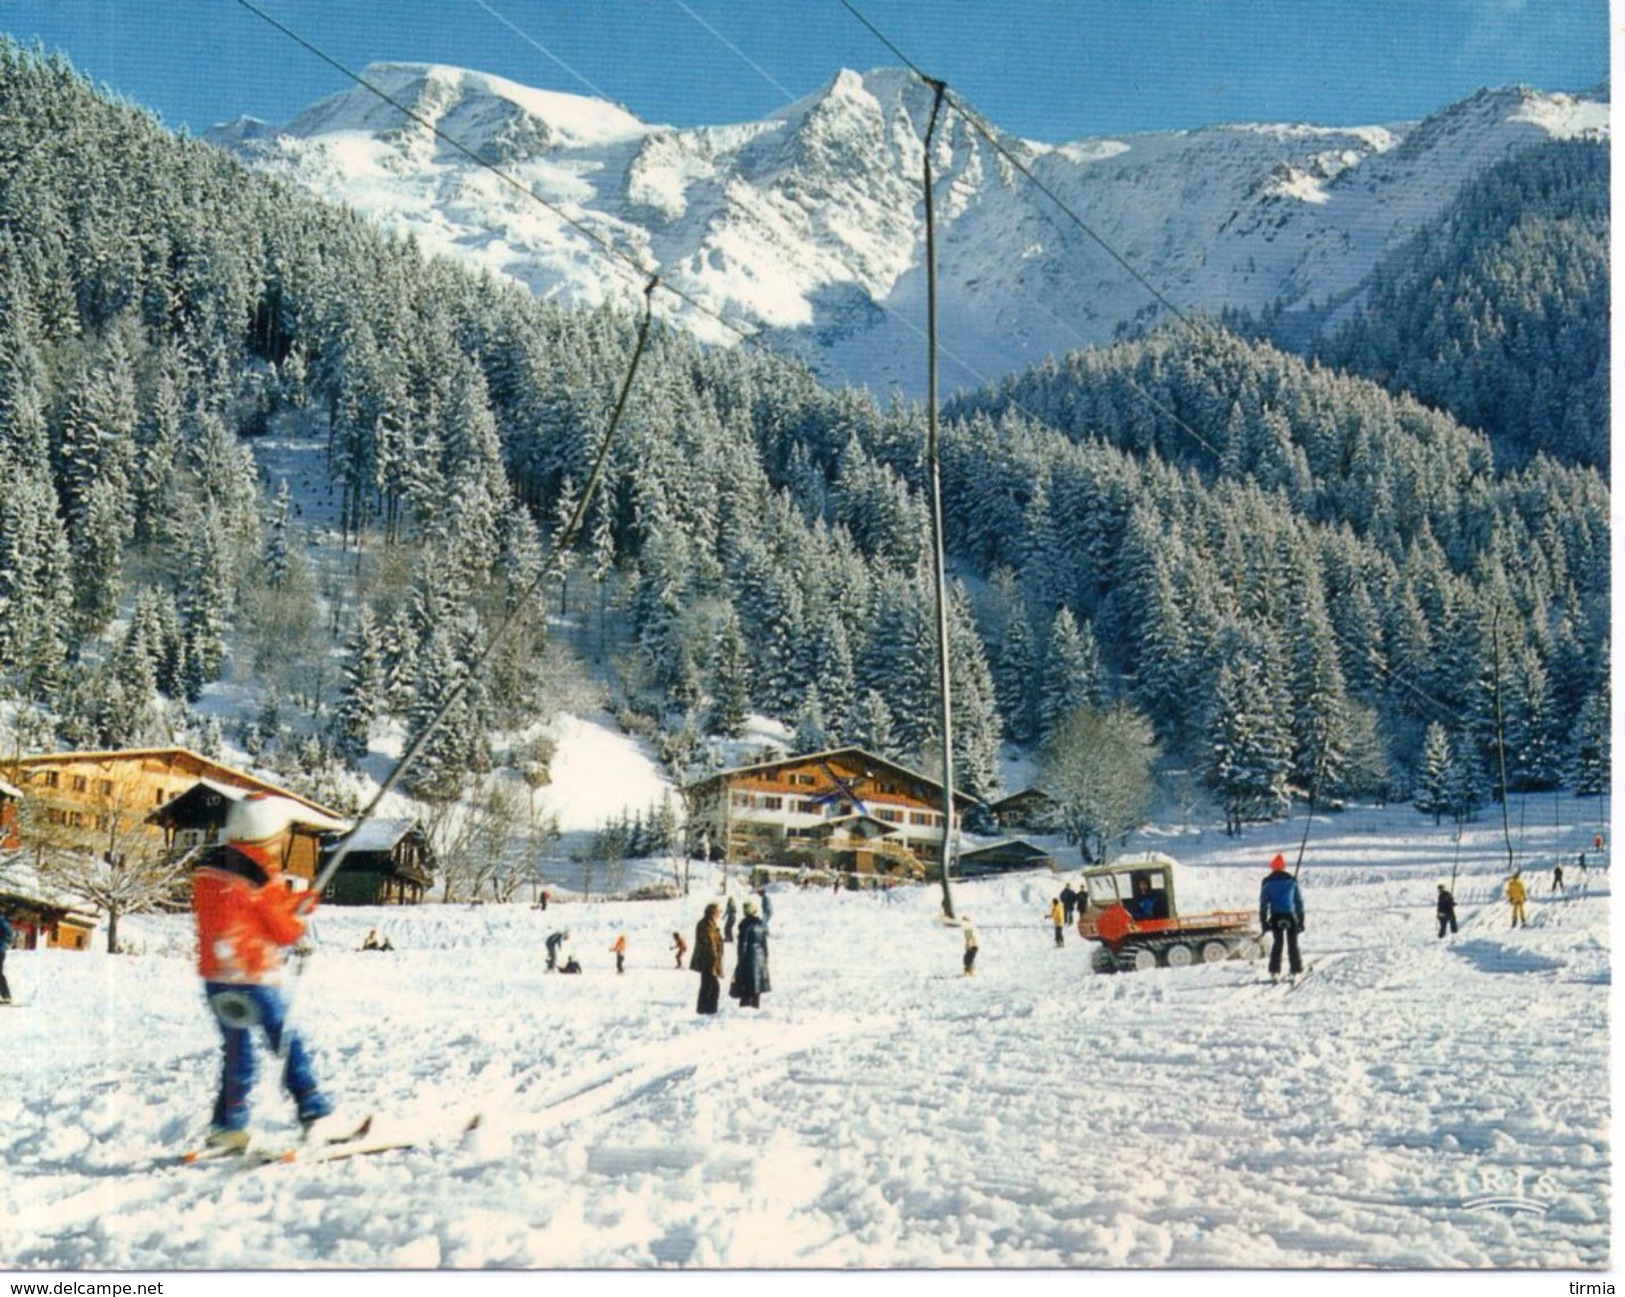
(1248, 748)
(366, 688)
(1433, 795)
(730, 678)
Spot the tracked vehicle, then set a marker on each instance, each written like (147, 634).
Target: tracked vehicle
(1131, 912)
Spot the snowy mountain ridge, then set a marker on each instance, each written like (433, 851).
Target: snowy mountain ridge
(808, 223)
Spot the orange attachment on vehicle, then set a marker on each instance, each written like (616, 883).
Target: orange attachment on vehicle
(1113, 924)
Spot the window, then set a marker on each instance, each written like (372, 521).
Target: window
(53, 778)
(158, 798)
(772, 803)
(889, 815)
(105, 787)
(808, 807)
(740, 799)
(80, 783)
(919, 817)
(804, 781)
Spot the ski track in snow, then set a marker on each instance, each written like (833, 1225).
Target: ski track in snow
(1414, 1103)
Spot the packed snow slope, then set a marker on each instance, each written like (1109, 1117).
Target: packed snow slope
(808, 224)
(1414, 1103)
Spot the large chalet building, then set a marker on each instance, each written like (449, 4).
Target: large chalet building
(844, 810)
(125, 801)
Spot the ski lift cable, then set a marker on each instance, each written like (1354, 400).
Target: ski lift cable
(615, 254)
(537, 45)
(548, 572)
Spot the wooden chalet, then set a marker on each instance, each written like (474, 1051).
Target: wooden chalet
(1032, 809)
(1002, 858)
(386, 862)
(844, 810)
(11, 798)
(39, 916)
(195, 817)
(104, 802)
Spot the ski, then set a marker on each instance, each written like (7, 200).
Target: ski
(255, 1154)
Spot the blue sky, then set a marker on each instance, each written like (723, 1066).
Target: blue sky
(1053, 70)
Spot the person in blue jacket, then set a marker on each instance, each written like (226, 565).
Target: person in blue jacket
(1280, 910)
(5, 945)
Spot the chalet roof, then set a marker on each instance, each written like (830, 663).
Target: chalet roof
(256, 783)
(1008, 847)
(310, 818)
(863, 826)
(1022, 795)
(378, 835)
(20, 881)
(851, 753)
(380, 838)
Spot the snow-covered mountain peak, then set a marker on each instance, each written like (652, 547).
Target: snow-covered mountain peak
(808, 223)
(495, 117)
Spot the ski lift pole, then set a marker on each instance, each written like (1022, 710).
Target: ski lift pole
(1314, 793)
(934, 473)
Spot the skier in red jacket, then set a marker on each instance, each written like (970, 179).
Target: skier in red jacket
(246, 917)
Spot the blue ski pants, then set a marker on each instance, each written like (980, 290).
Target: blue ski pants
(239, 1009)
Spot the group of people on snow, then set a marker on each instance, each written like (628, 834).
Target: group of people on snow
(750, 978)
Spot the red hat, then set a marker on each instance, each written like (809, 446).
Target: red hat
(1277, 862)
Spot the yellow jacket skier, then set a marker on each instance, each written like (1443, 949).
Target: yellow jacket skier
(1516, 895)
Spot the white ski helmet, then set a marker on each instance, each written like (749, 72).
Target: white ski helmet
(258, 817)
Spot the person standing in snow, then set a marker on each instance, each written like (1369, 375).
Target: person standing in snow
(750, 971)
(554, 943)
(1069, 902)
(680, 946)
(970, 944)
(707, 960)
(5, 945)
(619, 950)
(1280, 911)
(729, 916)
(246, 919)
(1447, 911)
(1557, 876)
(1517, 894)
(1057, 917)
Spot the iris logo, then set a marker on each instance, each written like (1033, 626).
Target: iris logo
(1505, 1193)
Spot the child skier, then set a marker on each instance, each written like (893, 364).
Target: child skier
(246, 918)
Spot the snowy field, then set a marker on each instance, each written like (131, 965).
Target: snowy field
(1415, 1104)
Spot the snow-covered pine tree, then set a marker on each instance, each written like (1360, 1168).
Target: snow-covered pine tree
(364, 696)
(1249, 748)
(1590, 765)
(1433, 793)
(730, 677)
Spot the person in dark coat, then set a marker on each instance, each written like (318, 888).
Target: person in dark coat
(5, 945)
(1069, 902)
(729, 916)
(553, 944)
(1280, 911)
(750, 971)
(707, 960)
(1447, 911)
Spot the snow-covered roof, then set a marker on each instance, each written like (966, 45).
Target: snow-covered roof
(11, 791)
(378, 834)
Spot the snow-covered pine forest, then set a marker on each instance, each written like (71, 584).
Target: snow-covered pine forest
(1287, 577)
